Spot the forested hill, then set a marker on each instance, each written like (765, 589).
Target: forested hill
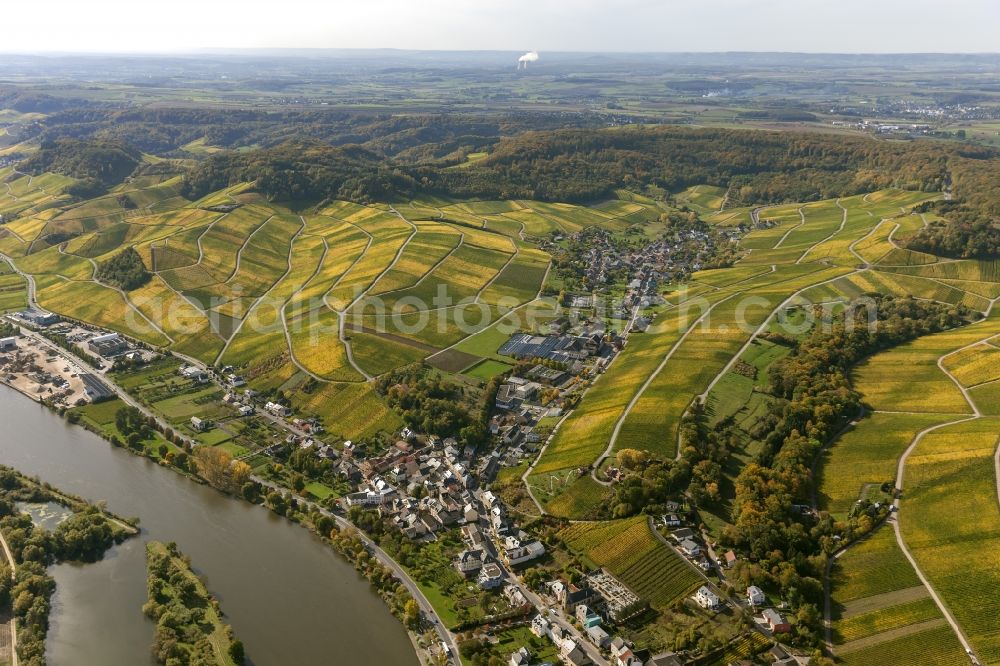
(758, 167)
(763, 166)
(584, 165)
(407, 138)
(104, 162)
(299, 170)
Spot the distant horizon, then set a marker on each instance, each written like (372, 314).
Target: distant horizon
(240, 50)
(556, 26)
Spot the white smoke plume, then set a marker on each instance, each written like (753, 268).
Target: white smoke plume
(530, 56)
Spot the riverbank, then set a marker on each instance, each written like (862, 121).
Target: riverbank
(163, 449)
(82, 536)
(197, 627)
(269, 602)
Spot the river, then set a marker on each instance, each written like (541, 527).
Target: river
(289, 597)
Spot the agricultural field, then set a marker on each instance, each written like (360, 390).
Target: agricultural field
(487, 369)
(293, 300)
(702, 198)
(630, 551)
(879, 606)
(862, 459)
(651, 385)
(951, 473)
(975, 365)
(13, 289)
(923, 387)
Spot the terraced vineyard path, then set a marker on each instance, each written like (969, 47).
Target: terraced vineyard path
(802, 221)
(208, 227)
(461, 242)
(900, 471)
(649, 380)
(342, 323)
(246, 315)
(843, 223)
(239, 252)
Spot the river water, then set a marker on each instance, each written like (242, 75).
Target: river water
(289, 597)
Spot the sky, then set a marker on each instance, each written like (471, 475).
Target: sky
(828, 26)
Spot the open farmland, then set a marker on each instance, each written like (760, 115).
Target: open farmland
(879, 606)
(13, 289)
(923, 387)
(653, 384)
(950, 473)
(949, 468)
(865, 457)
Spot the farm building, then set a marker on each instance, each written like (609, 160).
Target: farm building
(8, 344)
(563, 348)
(548, 376)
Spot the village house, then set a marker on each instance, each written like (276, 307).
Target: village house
(689, 548)
(517, 552)
(756, 596)
(775, 622)
(683, 533)
(514, 596)
(472, 537)
(521, 657)
(194, 373)
(598, 636)
(277, 409)
(200, 425)
(469, 562)
(706, 598)
(587, 617)
(664, 659)
(540, 626)
(365, 498)
(572, 653)
(490, 577)
(569, 595)
(622, 654)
